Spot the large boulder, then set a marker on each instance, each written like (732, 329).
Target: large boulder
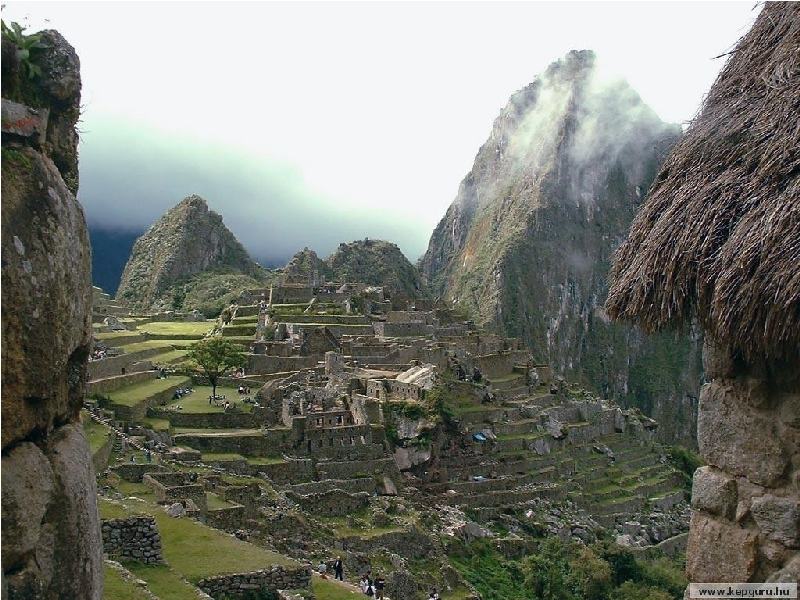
(51, 534)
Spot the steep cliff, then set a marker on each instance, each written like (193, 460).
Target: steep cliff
(375, 262)
(186, 241)
(51, 536)
(527, 243)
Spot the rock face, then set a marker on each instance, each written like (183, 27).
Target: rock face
(527, 243)
(189, 239)
(51, 535)
(373, 262)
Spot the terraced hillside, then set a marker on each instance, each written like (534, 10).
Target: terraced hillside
(398, 439)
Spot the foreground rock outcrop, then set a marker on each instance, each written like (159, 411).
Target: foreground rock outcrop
(719, 241)
(51, 535)
(526, 244)
(187, 240)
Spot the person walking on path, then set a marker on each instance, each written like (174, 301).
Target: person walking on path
(338, 569)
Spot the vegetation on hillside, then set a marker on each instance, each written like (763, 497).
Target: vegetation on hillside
(561, 570)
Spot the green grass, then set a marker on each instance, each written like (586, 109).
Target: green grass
(365, 534)
(111, 335)
(191, 548)
(265, 460)
(96, 434)
(171, 356)
(230, 431)
(220, 457)
(197, 551)
(197, 401)
(214, 502)
(253, 460)
(112, 510)
(134, 394)
(116, 588)
(326, 589)
(156, 424)
(198, 328)
(163, 581)
(150, 344)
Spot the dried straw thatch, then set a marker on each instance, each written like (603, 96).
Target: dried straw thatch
(719, 235)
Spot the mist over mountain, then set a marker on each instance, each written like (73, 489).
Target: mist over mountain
(526, 245)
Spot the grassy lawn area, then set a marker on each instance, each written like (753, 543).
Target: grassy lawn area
(168, 357)
(220, 457)
(192, 549)
(215, 502)
(163, 581)
(253, 460)
(523, 436)
(197, 551)
(156, 424)
(134, 394)
(222, 431)
(197, 401)
(109, 336)
(198, 328)
(365, 533)
(96, 434)
(326, 589)
(265, 460)
(116, 588)
(150, 344)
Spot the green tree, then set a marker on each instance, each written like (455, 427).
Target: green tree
(590, 575)
(635, 591)
(215, 357)
(547, 572)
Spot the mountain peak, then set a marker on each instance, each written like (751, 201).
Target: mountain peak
(188, 239)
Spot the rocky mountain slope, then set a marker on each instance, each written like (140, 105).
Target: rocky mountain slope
(526, 244)
(375, 262)
(185, 244)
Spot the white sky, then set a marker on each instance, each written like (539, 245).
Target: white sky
(373, 111)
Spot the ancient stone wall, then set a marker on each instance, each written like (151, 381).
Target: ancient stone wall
(51, 533)
(122, 364)
(227, 519)
(746, 519)
(402, 329)
(272, 578)
(331, 503)
(112, 384)
(263, 363)
(501, 363)
(132, 538)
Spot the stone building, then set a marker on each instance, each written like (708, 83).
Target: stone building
(718, 241)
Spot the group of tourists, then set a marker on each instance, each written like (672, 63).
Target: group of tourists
(181, 392)
(98, 354)
(372, 588)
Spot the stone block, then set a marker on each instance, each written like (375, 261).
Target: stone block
(27, 489)
(713, 491)
(738, 438)
(24, 121)
(778, 518)
(719, 551)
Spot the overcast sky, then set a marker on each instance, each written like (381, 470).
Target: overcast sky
(307, 124)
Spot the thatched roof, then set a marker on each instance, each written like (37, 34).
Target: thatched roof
(718, 238)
